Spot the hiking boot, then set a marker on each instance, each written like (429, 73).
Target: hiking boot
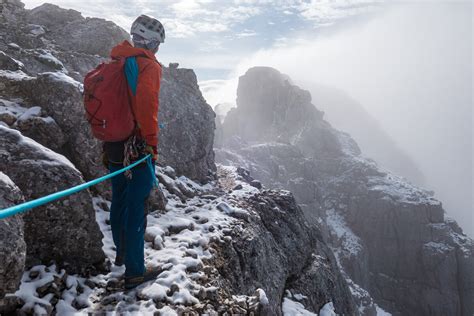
(118, 261)
(150, 274)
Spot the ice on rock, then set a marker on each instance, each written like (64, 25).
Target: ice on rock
(292, 308)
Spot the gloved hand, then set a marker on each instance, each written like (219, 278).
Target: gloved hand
(153, 152)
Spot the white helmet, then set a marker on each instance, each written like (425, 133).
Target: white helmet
(148, 28)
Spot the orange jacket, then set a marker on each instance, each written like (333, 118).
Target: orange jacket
(145, 103)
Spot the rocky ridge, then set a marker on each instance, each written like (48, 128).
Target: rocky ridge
(392, 239)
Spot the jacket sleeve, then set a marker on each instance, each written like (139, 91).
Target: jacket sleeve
(147, 103)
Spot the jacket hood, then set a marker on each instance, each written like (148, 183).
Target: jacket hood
(125, 49)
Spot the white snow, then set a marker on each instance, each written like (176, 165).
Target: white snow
(12, 107)
(350, 243)
(396, 187)
(6, 180)
(292, 308)
(381, 312)
(327, 310)
(49, 157)
(401, 190)
(33, 111)
(14, 75)
(438, 247)
(262, 296)
(49, 58)
(348, 145)
(299, 297)
(62, 77)
(27, 291)
(14, 46)
(36, 30)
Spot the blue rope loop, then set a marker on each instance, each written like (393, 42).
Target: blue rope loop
(20, 208)
(151, 166)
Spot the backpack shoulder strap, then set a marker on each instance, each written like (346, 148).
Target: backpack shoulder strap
(131, 73)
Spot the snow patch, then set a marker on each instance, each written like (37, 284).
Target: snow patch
(62, 77)
(48, 58)
(349, 241)
(327, 310)
(14, 75)
(29, 113)
(50, 157)
(438, 247)
(401, 190)
(381, 312)
(6, 180)
(292, 308)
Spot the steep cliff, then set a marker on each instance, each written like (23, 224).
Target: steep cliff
(391, 238)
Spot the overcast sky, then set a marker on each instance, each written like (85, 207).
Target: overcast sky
(211, 36)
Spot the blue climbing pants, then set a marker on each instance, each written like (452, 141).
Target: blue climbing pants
(128, 218)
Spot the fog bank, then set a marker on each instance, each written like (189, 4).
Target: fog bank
(410, 67)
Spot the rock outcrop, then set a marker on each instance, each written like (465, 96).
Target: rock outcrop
(90, 36)
(12, 244)
(187, 134)
(277, 250)
(62, 231)
(389, 236)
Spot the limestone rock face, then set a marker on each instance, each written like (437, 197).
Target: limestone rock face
(12, 244)
(11, 10)
(187, 134)
(388, 235)
(85, 35)
(64, 230)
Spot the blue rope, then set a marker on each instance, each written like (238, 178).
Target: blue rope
(58, 195)
(151, 166)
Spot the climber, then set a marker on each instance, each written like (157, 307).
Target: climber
(129, 192)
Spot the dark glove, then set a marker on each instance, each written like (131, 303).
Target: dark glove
(153, 152)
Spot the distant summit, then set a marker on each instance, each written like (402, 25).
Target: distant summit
(391, 239)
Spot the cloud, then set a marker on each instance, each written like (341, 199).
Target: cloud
(410, 66)
(246, 33)
(325, 12)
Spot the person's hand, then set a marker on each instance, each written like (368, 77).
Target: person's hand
(153, 152)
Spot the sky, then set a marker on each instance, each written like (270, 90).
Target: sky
(211, 36)
(409, 64)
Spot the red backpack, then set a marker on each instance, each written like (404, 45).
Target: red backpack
(107, 102)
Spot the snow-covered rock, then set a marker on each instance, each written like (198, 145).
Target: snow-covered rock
(31, 123)
(12, 243)
(211, 262)
(276, 249)
(64, 230)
